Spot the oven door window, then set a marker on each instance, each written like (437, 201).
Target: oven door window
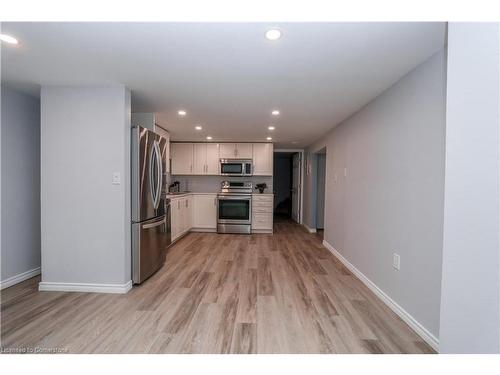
(232, 168)
(234, 209)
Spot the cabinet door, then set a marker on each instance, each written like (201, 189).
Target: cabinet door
(175, 218)
(244, 150)
(205, 211)
(263, 159)
(188, 206)
(262, 221)
(227, 151)
(182, 158)
(200, 158)
(212, 159)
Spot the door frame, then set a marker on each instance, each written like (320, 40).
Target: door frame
(301, 195)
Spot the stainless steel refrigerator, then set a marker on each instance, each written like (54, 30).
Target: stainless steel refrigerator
(150, 208)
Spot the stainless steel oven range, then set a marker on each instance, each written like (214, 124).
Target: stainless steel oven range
(234, 207)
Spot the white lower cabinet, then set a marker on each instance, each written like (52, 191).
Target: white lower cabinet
(181, 215)
(262, 213)
(204, 211)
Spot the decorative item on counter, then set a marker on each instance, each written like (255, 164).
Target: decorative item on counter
(261, 187)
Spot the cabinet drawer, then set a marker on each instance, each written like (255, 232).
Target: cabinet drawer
(262, 208)
(262, 198)
(262, 220)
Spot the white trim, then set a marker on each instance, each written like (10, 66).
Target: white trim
(45, 286)
(427, 336)
(310, 230)
(16, 279)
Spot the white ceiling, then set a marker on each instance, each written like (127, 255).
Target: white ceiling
(227, 76)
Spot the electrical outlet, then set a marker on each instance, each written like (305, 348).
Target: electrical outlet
(396, 261)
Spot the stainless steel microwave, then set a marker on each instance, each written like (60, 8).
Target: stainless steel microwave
(236, 167)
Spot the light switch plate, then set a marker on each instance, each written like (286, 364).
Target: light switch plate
(116, 178)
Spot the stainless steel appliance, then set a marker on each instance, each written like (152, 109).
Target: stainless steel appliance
(236, 167)
(150, 207)
(234, 207)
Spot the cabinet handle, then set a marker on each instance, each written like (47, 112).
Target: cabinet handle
(215, 201)
(191, 168)
(178, 205)
(187, 202)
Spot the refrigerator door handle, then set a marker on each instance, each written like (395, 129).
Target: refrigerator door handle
(153, 225)
(151, 176)
(160, 174)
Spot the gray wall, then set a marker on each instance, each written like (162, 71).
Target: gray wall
(320, 195)
(85, 137)
(392, 197)
(20, 183)
(470, 316)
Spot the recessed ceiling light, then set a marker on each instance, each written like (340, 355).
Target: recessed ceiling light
(271, 127)
(8, 39)
(209, 138)
(273, 34)
(275, 112)
(269, 138)
(182, 112)
(198, 127)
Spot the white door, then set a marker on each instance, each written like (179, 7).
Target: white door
(212, 159)
(182, 158)
(263, 159)
(244, 150)
(205, 211)
(199, 158)
(296, 170)
(227, 151)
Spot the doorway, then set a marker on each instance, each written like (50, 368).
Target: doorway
(287, 185)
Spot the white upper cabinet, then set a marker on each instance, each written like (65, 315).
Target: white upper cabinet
(213, 158)
(235, 150)
(199, 158)
(262, 159)
(227, 150)
(182, 158)
(203, 158)
(206, 158)
(244, 150)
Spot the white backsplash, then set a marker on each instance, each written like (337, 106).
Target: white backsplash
(211, 184)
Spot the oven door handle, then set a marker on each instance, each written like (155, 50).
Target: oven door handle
(228, 197)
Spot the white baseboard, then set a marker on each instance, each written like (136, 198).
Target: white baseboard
(83, 287)
(427, 336)
(310, 230)
(19, 278)
(204, 230)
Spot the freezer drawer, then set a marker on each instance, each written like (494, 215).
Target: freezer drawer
(149, 243)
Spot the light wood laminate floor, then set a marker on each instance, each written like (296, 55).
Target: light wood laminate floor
(281, 293)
